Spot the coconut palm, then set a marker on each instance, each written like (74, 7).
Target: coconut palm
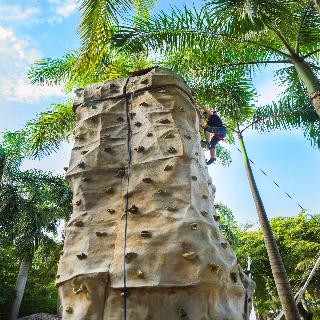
(236, 33)
(239, 107)
(32, 204)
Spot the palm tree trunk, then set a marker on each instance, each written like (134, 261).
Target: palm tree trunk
(20, 286)
(279, 273)
(311, 81)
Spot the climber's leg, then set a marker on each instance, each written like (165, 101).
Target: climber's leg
(214, 141)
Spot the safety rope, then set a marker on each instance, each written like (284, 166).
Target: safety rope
(129, 134)
(275, 183)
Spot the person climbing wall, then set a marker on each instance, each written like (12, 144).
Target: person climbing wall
(143, 241)
(214, 126)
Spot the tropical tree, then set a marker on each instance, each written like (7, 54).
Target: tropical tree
(297, 238)
(236, 33)
(32, 205)
(239, 115)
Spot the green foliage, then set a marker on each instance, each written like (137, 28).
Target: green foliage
(44, 134)
(40, 293)
(298, 241)
(32, 205)
(227, 224)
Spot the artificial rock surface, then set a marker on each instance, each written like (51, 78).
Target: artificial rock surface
(178, 264)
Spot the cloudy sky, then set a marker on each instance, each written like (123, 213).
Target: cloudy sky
(32, 29)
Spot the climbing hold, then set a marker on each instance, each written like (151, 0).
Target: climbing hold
(132, 114)
(68, 309)
(189, 255)
(57, 276)
(130, 256)
(149, 134)
(182, 313)
(187, 137)
(204, 196)
(164, 121)
(78, 223)
(84, 151)
(147, 180)
(84, 214)
(109, 190)
(169, 136)
(193, 226)
(214, 267)
(233, 276)
(85, 179)
(108, 149)
(169, 208)
(81, 256)
(205, 213)
(78, 202)
(79, 136)
(140, 274)
(194, 178)
(145, 234)
(127, 293)
(81, 165)
(101, 234)
(209, 183)
(94, 107)
(111, 211)
(145, 81)
(113, 88)
(181, 109)
(144, 104)
(196, 154)
(217, 218)
(163, 192)
(80, 289)
(133, 209)
(65, 168)
(106, 136)
(120, 172)
(138, 124)
(172, 150)
(224, 245)
(139, 149)
(168, 168)
(120, 119)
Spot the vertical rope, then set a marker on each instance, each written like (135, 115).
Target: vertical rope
(129, 134)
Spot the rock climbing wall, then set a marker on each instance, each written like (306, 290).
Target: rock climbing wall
(139, 180)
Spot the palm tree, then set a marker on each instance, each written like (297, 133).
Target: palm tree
(32, 205)
(240, 115)
(243, 34)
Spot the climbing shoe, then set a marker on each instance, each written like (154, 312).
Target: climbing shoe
(204, 144)
(211, 161)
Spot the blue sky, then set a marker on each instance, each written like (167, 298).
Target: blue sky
(33, 29)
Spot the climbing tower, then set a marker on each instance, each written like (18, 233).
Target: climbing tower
(143, 242)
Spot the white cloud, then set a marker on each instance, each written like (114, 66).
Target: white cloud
(16, 55)
(16, 12)
(64, 8)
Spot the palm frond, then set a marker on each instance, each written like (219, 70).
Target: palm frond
(45, 134)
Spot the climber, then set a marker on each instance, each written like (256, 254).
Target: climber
(214, 126)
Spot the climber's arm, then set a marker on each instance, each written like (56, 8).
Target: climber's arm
(204, 108)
